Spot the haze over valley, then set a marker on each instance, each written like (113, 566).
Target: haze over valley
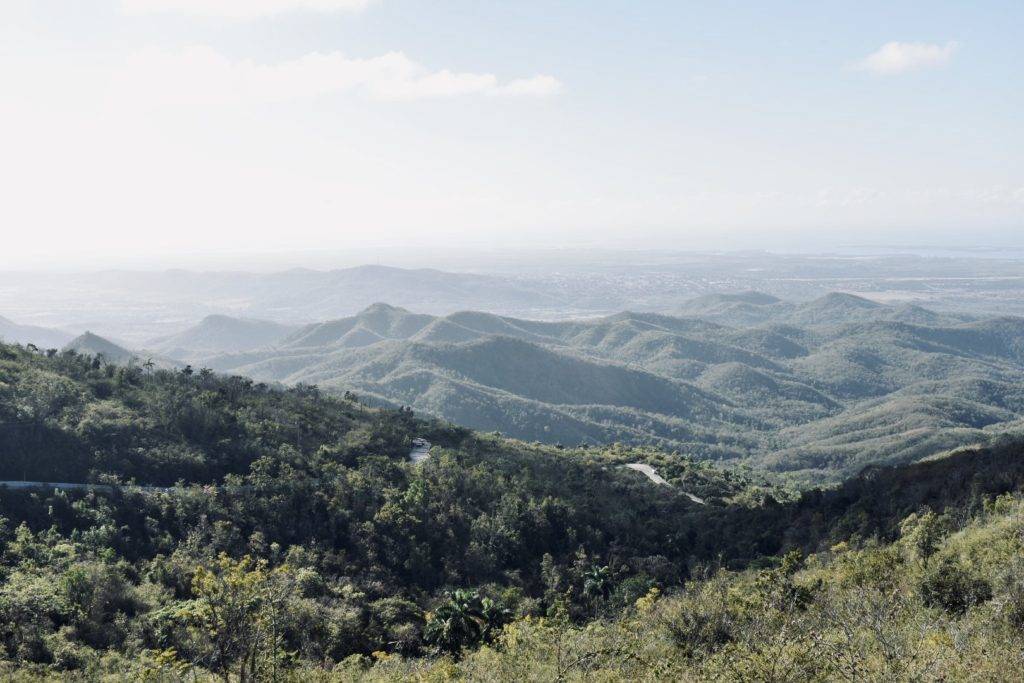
(375, 341)
(810, 389)
(136, 306)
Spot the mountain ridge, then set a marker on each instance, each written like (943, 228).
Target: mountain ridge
(778, 394)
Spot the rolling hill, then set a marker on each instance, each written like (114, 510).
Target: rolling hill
(219, 334)
(814, 389)
(142, 306)
(89, 344)
(756, 308)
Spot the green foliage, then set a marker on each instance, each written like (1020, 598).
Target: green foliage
(703, 620)
(464, 619)
(953, 588)
(816, 390)
(923, 533)
(237, 620)
(300, 544)
(844, 615)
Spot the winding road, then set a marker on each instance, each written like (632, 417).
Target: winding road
(419, 453)
(653, 475)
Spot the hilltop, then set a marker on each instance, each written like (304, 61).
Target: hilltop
(90, 344)
(220, 334)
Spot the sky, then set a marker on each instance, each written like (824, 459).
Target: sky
(136, 130)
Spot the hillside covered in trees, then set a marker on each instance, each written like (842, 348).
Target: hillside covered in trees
(816, 389)
(292, 537)
(944, 602)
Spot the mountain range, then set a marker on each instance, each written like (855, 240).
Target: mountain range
(813, 389)
(139, 306)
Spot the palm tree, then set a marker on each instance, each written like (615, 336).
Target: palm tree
(597, 582)
(495, 616)
(457, 623)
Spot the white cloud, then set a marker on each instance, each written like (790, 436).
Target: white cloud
(240, 9)
(201, 75)
(896, 57)
(538, 85)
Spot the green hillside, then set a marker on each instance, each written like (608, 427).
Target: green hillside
(296, 537)
(815, 389)
(943, 602)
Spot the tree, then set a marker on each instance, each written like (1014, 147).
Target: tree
(953, 588)
(923, 533)
(495, 616)
(457, 623)
(39, 397)
(241, 608)
(597, 583)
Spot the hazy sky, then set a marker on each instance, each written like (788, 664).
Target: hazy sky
(167, 127)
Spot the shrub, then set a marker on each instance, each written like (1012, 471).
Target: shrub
(702, 622)
(953, 588)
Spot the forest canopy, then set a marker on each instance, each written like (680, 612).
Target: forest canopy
(254, 531)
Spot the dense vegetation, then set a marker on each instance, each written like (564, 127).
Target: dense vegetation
(300, 542)
(816, 390)
(943, 603)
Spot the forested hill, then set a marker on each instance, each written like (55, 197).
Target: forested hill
(816, 389)
(351, 548)
(73, 417)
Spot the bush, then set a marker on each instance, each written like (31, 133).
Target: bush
(953, 588)
(702, 622)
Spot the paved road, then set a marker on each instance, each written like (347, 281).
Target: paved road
(67, 486)
(653, 475)
(106, 488)
(695, 499)
(420, 451)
